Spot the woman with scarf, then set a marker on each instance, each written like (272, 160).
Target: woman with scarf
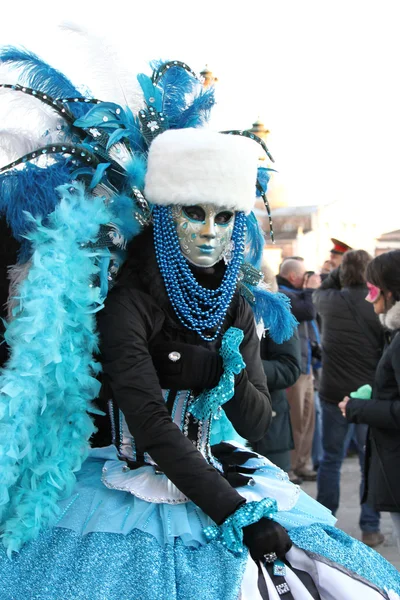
(380, 409)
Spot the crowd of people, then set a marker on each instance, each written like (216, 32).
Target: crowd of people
(343, 352)
(138, 407)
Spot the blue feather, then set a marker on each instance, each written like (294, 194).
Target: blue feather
(254, 242)
(116, 136)
(263, 177)
(102, 115)
(32, 190)
(152, 93)
(118, 122)
(81, 171)
(122, 210)
(274, 310)
(132, 126)
(177, 84)
(198, 113)
(38, 75)
(104, 263)
(98, 174)
(136, 170)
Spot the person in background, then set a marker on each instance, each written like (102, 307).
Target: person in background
(382, 413)
(317, 450)
(325, 269)
(293, 282)
(337, 252)
(281, 364)
(351, 347)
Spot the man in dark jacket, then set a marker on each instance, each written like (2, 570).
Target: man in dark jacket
(292, 281)
(351, 346)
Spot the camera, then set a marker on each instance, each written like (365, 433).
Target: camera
(308, 274)
(316, 350)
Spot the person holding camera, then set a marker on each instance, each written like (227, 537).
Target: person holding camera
(352, 341)
(299, 284)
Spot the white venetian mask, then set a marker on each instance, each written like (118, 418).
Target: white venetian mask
(204, 232)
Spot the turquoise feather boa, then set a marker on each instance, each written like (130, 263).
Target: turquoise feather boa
(49, 382)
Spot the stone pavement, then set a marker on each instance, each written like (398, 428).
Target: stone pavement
(348, 513)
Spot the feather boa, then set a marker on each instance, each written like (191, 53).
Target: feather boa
(48, 384)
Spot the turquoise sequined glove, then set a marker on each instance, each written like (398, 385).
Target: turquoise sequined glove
(230, 533)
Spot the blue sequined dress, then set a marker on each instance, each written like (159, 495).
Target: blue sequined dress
(132, 535)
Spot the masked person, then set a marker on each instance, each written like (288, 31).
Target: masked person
(162, 514)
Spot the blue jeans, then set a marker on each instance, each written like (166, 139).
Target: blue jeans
(335, 431)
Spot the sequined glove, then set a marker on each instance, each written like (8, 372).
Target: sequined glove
(185, 366)
(266, 537)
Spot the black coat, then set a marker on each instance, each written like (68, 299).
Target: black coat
(382, 414)
(137, 316)
(349, 355)
(281, 364)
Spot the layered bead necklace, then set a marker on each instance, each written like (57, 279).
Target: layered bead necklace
(199, 309)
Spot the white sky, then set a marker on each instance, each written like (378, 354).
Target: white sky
(322, 74)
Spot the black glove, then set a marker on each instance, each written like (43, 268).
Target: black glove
(266, 536)
(194, 367)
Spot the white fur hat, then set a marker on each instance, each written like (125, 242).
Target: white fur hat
(198, 166)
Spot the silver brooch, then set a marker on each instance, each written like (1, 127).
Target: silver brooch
(174, 356)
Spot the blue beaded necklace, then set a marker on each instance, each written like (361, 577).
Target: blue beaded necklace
(199, 309)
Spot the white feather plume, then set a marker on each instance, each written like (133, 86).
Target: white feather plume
(121, 154)
(15, 143)
(19, 110)
(105, 76)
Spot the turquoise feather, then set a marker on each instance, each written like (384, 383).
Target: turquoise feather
(273, 309)
(48, 384)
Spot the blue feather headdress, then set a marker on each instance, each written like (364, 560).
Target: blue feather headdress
(70, 238)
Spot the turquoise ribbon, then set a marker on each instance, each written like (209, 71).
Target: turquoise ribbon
(208, 402)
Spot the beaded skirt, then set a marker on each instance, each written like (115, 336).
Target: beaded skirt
(112, 542)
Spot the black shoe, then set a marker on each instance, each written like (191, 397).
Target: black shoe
(372, 538)
(307, 474)
(295, 478)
